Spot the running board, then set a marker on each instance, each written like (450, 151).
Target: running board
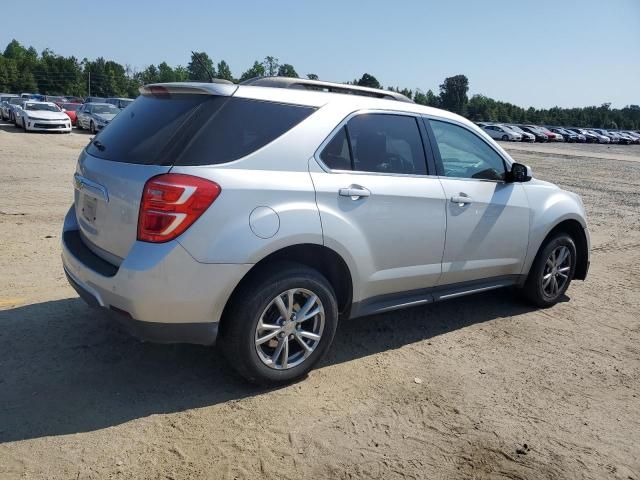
(414, 298)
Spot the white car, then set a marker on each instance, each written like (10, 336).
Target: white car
(502, 133)
(42, 117)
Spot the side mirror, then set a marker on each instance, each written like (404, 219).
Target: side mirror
(520, 173)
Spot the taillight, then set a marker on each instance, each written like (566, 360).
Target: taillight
(171, 203)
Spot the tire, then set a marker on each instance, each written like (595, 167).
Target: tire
(505, 138)
(549, 265)
(92, 128)
(24, 127)
(78, 126)
(255, 302)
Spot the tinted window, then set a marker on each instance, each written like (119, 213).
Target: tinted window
(194, 129)
(336, 154)
(386, 144)
(465, 155)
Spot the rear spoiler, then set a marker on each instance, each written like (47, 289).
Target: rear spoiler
(221, 88)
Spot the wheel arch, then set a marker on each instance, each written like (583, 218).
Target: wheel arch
(319, 257)
(575, 230)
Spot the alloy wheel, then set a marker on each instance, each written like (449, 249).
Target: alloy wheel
(556, 271)
(289, 329)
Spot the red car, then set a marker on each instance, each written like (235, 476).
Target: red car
(70, 110)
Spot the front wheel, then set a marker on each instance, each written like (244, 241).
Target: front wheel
(552, 271)
(92, 128)
(505, 138)
(279, 325)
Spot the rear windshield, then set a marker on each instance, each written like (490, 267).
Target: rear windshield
(193, 129)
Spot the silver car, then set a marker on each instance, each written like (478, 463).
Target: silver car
(95, 116)
(500, 132)
(258, 215)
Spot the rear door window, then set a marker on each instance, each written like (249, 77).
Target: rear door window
(380, 143)
(194, 129)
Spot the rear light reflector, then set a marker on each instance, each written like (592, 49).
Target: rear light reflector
(171, 203)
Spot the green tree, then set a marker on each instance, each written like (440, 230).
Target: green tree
(271, 66)
(453, 94)
(166, 73)
(150, 75)
(224, 72)
(286, 70)
(312, 76)
(199, 70)
(368, 80)
(181, 73)
(257, 70)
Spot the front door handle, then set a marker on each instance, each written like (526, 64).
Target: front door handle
(354, 191)
(462, 199)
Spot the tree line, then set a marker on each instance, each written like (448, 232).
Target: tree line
(22, 69)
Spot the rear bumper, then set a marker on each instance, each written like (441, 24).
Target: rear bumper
(159, 292)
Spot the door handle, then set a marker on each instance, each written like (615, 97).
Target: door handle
(354, 191)
(462, 199)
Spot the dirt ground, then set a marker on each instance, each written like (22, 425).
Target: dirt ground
(452, 390)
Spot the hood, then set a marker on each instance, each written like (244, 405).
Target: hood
(542, 183)
(46, 115)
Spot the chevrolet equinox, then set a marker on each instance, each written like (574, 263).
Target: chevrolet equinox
(257, 215)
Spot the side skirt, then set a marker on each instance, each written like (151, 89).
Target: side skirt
(413, 298)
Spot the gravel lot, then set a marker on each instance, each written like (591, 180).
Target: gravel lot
(453, 390)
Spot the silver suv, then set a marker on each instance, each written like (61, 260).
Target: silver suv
(259, 214)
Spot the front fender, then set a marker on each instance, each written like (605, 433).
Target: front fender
(549, 206)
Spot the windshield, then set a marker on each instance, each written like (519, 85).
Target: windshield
(56, 99)
(516, 129)
(16, 100)
(108, 109)
(71, 106)
(42, 107)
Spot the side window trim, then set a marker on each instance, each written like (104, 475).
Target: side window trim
(436, 151)
(427, 149)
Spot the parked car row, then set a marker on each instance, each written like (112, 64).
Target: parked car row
(35, 112)
(537, 133)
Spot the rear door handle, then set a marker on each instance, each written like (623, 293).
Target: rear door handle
(354, 191)
(462, 199)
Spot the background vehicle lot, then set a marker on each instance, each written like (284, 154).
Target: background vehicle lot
(494, 373)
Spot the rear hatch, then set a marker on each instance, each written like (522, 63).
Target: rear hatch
(143, 141)
(169, 124)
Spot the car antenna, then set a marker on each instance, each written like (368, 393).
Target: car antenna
(204, 66)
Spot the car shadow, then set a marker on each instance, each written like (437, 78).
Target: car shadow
(66, 368)
(10, 127)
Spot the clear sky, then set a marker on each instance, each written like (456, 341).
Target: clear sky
(532, 53)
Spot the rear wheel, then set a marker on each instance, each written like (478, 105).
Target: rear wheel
(280, 325)
(552, 271)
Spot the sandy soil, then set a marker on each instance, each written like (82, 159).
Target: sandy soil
(80, 399)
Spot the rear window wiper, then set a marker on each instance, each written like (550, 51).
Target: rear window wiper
(99, 145)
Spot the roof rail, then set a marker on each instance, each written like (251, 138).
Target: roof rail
(289, 82)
